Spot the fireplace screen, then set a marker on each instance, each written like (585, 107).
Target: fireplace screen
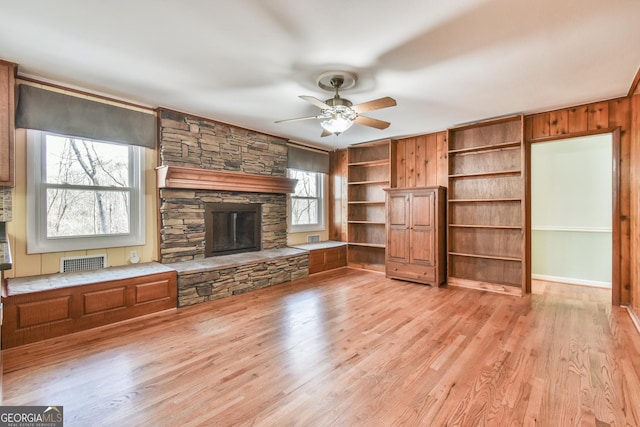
(232, 228)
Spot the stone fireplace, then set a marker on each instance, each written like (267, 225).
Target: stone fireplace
(232, 228)
(205, 162)
(186, 193)
(205, 165)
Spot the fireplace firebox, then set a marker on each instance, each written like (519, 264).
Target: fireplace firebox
(232, 228)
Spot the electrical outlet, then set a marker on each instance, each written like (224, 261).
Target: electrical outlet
(133, 257)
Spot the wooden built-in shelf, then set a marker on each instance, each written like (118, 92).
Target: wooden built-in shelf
(486, 174)
(385, 182)
(497, 200)
(495, 227)
(382, 162)
(366, 202)
(367, 245)
(369, 172)
(501, 258)
(511, 144)
(205, 179)
(487, 206)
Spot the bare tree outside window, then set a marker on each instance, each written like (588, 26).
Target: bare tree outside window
(306, 201)
(87, 187)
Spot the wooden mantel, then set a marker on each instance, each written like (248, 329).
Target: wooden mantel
(204, 179)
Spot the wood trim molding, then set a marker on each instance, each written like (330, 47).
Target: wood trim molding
(570, 135)
(204, 179)
(488, 122)
(634, 317)
(616, 220)
(634, 84)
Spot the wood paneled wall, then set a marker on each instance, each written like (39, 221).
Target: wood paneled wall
(421, 161)
(590, 119)
(338, 195)
(579, 120)
(635, 202)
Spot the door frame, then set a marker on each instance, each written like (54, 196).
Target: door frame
(616, 221)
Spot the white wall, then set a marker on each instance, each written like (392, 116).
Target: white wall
(571, 205)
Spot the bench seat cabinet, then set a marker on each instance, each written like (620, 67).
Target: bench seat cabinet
(415, 229)
(324, 259)
(48, 313)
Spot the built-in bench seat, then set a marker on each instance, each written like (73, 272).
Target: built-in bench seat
(325, 256)
(47, 306)
(217, 277)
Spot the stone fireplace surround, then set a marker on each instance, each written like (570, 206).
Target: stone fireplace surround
(209, 162)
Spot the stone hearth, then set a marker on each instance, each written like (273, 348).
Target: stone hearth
(219, 277)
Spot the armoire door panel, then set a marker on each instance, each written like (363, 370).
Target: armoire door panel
(398, 213)
(422, 209)
(398, 244)
(422, 247)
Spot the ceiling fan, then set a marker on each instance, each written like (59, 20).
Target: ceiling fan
(338, 114)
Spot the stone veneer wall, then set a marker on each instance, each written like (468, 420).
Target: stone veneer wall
(196, 286)
(195, 142)
(182, 212)
(199, 143)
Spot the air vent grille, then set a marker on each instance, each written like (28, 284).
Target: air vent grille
(313, 238)
(83, 263)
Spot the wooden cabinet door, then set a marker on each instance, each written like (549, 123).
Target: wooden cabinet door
(398, 227)
(422, 232)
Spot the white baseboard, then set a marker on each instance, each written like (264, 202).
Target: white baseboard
(572, 281)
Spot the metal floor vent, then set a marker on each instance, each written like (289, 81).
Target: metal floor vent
(83, 263)
(313, 238)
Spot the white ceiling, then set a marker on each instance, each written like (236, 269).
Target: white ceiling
(246, 62)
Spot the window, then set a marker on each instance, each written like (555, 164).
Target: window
(306, 206)
(82, 194)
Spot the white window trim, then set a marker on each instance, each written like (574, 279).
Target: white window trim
(37, 240)
(321, 208)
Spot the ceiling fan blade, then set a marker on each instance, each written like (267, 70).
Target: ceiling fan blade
(376, 104)
(315, 101)
(374, 123)
(296, 120)
(325, 133)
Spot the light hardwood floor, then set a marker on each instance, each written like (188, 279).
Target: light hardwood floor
(347, 348)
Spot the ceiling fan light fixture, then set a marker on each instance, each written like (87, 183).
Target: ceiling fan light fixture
(336, 124)
(337, 119)
(339, 114)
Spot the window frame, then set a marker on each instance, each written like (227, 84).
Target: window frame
(301, 228)
(37, 239)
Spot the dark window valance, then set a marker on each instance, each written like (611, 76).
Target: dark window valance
(56, 112)
(307, 160)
